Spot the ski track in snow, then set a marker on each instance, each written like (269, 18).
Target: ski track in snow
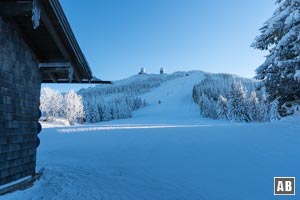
(166, 151)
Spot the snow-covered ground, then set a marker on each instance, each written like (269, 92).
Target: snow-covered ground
(166, 151)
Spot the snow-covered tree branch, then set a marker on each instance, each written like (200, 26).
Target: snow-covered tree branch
(280, 71)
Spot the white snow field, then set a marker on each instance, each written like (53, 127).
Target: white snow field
(166, 151)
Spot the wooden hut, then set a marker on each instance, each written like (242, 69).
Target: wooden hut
(37, 46)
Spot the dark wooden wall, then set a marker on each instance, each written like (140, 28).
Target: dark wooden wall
(20, 83)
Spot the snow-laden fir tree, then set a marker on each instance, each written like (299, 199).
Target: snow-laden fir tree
(281, 36)
(93, 115)
(222, 110)
(105, 112)
(253, 106)
(274, 115)
(207, 107)
(236, 104)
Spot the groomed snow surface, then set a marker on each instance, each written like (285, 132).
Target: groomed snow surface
(166, 151)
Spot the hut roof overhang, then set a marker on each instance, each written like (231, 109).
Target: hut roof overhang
(46, 30)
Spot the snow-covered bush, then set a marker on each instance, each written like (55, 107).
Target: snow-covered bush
(224, 96)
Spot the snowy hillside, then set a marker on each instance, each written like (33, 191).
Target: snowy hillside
(219, 96)
(172, 98)
(165, 151)
(119, 100)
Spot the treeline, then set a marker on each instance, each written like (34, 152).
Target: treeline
(103, 102)
(119, 100)
(228, 97)
(98, 108)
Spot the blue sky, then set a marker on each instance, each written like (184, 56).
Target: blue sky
(118, 37)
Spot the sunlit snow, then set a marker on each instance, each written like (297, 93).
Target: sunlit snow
(166, 151)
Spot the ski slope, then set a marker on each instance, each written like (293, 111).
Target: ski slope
(166, 151)
(176, 102)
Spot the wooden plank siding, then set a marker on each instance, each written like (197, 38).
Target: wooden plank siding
(20, 84)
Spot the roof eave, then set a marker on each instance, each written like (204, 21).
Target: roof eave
(59, 14)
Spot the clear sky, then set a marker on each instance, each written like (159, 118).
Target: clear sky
(118, 37)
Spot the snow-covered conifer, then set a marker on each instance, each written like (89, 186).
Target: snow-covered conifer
(236, 105)
(222, 110)
(274, 115)
(253, 107)
(216, 93)
(280, 35)
(93, 113)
